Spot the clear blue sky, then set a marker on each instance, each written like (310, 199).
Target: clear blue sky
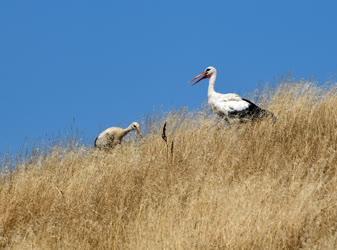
(101, 63)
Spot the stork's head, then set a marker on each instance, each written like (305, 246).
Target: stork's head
(136, 126)
(207, 73)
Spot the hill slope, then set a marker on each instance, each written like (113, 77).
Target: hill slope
(255, 185)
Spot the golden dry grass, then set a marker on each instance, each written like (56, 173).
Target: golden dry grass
(248, 186)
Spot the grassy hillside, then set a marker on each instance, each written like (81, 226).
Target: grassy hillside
(255, 185)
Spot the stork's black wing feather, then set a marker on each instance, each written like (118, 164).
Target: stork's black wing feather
(251, 112)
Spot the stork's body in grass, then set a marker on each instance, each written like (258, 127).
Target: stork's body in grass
(113, 136)
(230, 105)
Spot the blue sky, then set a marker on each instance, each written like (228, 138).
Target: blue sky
(93, 64)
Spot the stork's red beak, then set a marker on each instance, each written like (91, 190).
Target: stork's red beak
(139, 132)
(199, 77)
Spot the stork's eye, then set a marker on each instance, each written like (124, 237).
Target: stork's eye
(208, 70)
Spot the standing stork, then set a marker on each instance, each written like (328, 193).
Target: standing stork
(230, 105)
(113, 136)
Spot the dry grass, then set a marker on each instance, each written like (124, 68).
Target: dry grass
(249, 186)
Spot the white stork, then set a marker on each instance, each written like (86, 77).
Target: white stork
(113, 136)
(230, 105)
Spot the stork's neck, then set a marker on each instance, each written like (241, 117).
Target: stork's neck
(127, 130)
(211, 84)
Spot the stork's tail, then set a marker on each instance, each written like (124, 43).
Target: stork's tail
(269, 114)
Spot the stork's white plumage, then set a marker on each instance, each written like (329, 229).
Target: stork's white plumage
(229, 105)
(113, 136)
